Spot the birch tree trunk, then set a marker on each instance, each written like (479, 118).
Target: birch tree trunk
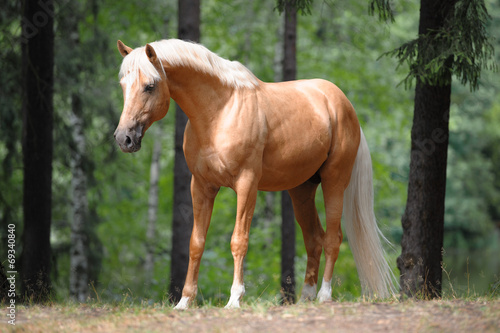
(79, 251)
(152, 207)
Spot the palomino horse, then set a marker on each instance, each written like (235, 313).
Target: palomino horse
(249, 135)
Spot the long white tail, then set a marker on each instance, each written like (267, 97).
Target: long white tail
(364, 236)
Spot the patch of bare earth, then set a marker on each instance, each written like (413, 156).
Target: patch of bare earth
(430, 316)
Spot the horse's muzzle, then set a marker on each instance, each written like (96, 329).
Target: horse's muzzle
(129, 139)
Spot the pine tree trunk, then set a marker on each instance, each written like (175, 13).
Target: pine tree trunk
(287, 250)
(152, 207)
(290, 44)
(423, 220)
(182, 225)
(79, 251)
(288, 219)
(38, 72)
(4, 285)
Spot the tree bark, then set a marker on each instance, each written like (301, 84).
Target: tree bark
(423, 219)
(79, 250)
(182, 224)
(38, 72)
(290, 44)
(287, 216)
(4, 285)
(152, 207)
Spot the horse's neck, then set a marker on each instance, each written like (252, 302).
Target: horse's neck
(199, 95)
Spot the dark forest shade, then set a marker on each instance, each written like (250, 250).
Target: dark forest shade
(37, 109)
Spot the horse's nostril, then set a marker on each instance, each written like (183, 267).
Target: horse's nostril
(128, 141)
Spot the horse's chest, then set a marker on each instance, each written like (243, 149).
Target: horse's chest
(219, 154)
(218, 166)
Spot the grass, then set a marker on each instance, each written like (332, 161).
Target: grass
(478, 314)
(456, 311)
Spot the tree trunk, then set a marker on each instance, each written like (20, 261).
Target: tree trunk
(423, 220)
(182, 224)
(4, 285)
(79, 251)
(10, 128)
(287, 250)
(38, 72)
(152, 207)
(290, 44)
(288, 219)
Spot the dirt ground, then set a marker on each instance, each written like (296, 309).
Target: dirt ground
(429, 316)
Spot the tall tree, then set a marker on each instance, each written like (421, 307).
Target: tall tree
(154, 176)
(452, 40)
(10, 129)
(73, 65)
(287, 216)
(4, 285)
(79, 248)
(182, 224)
(38, 72)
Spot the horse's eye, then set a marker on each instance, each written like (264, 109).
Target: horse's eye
(149, 87)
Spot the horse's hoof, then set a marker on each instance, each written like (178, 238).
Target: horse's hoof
(183, 304)
(308, 293)
(232, 304)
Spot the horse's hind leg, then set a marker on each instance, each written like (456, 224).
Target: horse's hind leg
(307, 216)
(335, 176)
(333, 237)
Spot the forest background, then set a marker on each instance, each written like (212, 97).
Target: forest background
(339, 42)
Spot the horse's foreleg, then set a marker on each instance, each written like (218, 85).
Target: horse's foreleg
(246, 191)
(203, 202)
(307, 216)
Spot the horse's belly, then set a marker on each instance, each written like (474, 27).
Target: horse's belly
(272, 182)
(283, 172)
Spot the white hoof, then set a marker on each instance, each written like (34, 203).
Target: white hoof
(325, 293)
(232, 304)
(237, 292)
(183, 304)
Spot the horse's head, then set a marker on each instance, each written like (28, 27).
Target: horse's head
(145, 94)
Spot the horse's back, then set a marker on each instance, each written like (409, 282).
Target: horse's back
(315, 96)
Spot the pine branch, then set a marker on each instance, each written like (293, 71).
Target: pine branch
(383, 7)
(462, 46)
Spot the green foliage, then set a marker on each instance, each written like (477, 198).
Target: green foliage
(473, 168)
(461, 47)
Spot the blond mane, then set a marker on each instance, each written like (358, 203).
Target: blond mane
(187, 54)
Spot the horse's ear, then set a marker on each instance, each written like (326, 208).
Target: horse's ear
(124, 49)
(150, 52)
